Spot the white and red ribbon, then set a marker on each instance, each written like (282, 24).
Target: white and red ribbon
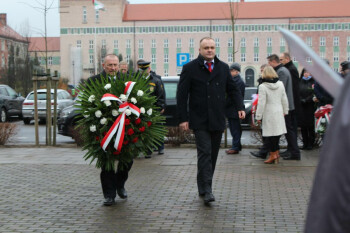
(118, 126)
(323, 111)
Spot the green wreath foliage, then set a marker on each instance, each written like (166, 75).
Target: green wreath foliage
(141, 135)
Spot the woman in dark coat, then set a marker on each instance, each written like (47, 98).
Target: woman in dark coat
(307, 119)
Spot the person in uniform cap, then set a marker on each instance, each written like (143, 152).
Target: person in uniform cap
(345, 68)
(232, 111)
(157, 89)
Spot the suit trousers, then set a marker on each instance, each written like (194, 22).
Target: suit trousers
(111, 180)
(292, 133)
(208, 144)
(236, 133)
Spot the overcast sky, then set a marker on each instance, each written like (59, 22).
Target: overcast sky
(26, 20)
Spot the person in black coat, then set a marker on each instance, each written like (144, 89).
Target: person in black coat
(156, 88)
(232, 112)
(112, 182)
(201, 101)
(306, 116)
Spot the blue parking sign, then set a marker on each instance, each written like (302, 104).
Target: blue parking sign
(182, 58)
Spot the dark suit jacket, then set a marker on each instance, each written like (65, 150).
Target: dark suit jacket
(231, 109)
(201, 95)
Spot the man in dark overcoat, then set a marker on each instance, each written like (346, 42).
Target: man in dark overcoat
(112, 181)
(201, 100)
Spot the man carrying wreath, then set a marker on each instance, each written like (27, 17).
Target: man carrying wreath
(112, 182)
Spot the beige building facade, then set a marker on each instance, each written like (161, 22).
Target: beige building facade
(159, 32)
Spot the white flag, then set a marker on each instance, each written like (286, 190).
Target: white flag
(98, 5)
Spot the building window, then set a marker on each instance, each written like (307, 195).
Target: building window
(3, 62)
(166, 73)
(268, 54)
(78, 43)
(322, 55)
(218, 55)
(97, 16)
(348, 40)
(242, 57)
(309, 41)
(230, 42)
(84, 14)
(336, 41)
(256, 57)
(103, 46)
(127, 58)
(128, 44)
(336, 69)
(153, 43)
(191, 57)
(2, 45)
(348, 56)
(91, 44)
(322, 41)
(282, 42)
(308, 59)
(91, 72)
(115, 44)
(269, 42)
(49, 60)
(91, 59)
(335, 56)
(166, 58)
(154, 59)
(140, 55)
(178, 43)
(230, 57)
(141, 44)
(243, 43)
(217, 42)
(166, 43)
(256, 42)
(294, 59)
(191, 43)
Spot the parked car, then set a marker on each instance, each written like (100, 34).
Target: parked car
(64, 99)
(248, 99)
(10, 103)
(170, 86)
(69, 116)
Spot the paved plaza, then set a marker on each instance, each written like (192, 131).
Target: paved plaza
(54, 190)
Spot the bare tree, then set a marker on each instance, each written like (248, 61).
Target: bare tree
(233, 18)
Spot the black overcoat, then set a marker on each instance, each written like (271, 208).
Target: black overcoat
(306, 117)
(201, 95)
(231, 109)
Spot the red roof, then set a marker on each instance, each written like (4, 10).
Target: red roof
(8, 32)
(37, 44)
(246, 10)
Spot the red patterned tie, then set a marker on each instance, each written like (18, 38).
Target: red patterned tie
(209, 66)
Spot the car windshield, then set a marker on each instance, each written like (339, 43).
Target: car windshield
(41, 96)
(248, 93)
(170, 90)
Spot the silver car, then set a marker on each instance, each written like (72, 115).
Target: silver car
(64, 99)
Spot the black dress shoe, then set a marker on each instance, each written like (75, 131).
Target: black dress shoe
(122, 193)
(258, 155)
(201, 194)
(161, 152)
(208, 197)
(291, 157)
(108, 201)
(285, 153)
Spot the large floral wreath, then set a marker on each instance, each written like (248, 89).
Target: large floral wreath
(120, 119)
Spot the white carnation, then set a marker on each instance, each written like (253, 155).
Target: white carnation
(115, 112)
(93, 128)
(108, 86)
(128, 112)
(91, 98)
(133, 100)
(98, 113)
(107, 103)
(142, 110)
(123, 97)
(149, 111)
(323, 120)
(139, 93)
(86, 114)
(103, 121)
